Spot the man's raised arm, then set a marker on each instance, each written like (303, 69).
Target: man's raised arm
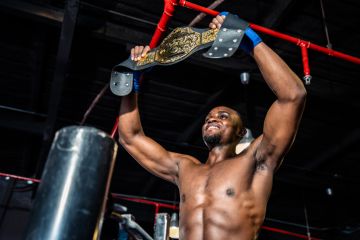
(283, 118)
(143, 149)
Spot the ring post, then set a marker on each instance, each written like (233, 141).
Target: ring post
(71, 198)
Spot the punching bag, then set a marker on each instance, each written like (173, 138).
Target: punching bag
(71, 198)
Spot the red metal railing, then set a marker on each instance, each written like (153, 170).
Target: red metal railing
(304, 45)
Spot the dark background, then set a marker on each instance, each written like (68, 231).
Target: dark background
(39, 95)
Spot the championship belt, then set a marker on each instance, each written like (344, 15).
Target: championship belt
(179, 45)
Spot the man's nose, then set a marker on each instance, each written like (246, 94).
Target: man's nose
(211, 119)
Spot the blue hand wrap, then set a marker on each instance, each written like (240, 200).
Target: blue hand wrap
(223, 13)
(250, 40)
(136, 82)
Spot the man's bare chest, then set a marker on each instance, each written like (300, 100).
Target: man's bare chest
(226, 178)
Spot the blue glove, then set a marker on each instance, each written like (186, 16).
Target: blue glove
(250, 40)
(136, 81)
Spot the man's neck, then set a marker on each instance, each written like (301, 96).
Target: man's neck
(220, 153)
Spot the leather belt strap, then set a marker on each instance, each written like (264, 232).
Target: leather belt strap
(229, 37)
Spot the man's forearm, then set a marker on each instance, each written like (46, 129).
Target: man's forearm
(277, 74)
(129, 119)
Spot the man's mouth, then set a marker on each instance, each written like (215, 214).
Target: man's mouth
(213, 126)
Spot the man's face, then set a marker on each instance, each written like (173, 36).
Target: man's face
(222, 126)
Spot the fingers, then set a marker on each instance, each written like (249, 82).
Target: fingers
(138, 52)
(212, 25)
(220, 19)
(145, 51)
(217, 21)
(132, 54)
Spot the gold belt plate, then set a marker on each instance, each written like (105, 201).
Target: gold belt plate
(178, 45)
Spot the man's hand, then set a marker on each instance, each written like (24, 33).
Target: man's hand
(250, 40)
(136, 54)
(217, 21)
(139, 52)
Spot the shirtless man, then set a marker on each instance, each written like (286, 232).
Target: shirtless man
(226, 197)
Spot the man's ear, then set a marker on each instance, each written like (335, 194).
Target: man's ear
(241, 132)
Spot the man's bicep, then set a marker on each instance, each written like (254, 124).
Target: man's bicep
(153, 157)
(280, 128)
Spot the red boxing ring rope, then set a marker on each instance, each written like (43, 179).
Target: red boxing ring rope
(6, 175)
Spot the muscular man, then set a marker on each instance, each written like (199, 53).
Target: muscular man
(225, 197)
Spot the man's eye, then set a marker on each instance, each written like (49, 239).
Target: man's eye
(223, 116)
